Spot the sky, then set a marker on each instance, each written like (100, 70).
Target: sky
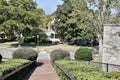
(49, 6)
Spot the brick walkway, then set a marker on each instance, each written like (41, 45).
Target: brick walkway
(42, 71)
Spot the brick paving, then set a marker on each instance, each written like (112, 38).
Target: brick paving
(42, 71)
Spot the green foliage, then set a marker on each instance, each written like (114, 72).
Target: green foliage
(0, 57)
(82, 71)
(37, 34)
(43, 37)
(41, 34)
(59, 54)
(47, 20)
(103, 15)
(71, 21)
(29, 39)
(55, 43)
(18, 15)
(83, 54)
(25, 53)
(104, 7)
(116, 20)
(10, 65)
(115, 75)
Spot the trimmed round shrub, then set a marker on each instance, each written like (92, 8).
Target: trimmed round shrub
(0, 57)
(25, 53)
(59, 54)
(83, 54)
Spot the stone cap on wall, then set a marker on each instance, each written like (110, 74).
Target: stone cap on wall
(109, 25)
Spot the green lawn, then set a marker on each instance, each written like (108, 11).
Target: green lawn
(9, 44)
(47, 47)
(97, 59)
(42, 46)
(59, 46)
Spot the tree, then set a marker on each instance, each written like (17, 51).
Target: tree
(71, 21)
(116, 17)
(18, 15)
(47, 20)
(101, 15)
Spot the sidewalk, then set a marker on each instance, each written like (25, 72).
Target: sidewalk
(43, 69)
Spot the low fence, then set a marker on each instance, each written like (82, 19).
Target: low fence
(63, 73)
(102, 67)
(19, 73)
(106, 67)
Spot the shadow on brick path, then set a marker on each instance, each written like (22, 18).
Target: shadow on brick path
(42, 71)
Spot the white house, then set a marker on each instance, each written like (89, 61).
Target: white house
(52, 35)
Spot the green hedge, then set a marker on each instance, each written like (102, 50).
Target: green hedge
(11, 65)
(82, 71)
(25, 53)
(59, 54)
(83, 54)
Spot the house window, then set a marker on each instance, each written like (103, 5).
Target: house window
(52, 35)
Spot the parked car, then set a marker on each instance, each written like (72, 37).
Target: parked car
(82, 42)
(94, 42)
(69, 42)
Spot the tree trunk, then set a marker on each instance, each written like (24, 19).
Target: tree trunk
(19, 44)
(100, 44)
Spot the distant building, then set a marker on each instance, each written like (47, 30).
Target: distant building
(52, 35)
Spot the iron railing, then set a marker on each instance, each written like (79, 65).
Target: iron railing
(106, 67)
(102, 67)
(64, 74)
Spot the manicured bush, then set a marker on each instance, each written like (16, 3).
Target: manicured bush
(0, 57)
(83, 54)
(25, 53)
(59, 54)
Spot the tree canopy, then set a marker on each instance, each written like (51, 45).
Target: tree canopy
(71, 20)
(47, 20)
(19, 16)
(102, 14)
